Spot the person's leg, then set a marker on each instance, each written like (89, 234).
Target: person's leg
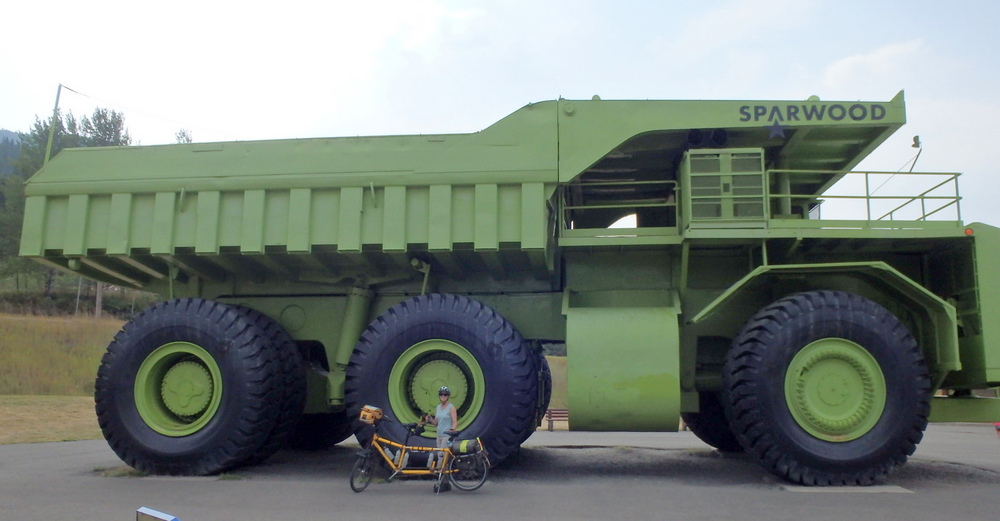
(443, 485)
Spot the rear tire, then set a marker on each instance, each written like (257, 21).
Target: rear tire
(185, 388)
(545, 381)
(321, 431)
(423, 343)
(292, 382)
(827, 388)
(468, 472)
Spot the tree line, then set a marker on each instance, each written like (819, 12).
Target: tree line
(27, 286)
(9, 148)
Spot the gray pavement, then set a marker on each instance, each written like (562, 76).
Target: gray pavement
(955, 473)
(973, 444)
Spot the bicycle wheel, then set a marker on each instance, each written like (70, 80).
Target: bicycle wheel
(361, 474)
(468, 472)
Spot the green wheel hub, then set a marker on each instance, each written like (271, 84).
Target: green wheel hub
(178, 389)
(427, 366)
(835, 389)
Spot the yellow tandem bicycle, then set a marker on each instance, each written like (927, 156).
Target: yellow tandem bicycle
(465, 464)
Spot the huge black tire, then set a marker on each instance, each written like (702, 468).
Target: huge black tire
(423, 343)
(291, 393)
(321, 431)
(827, 388)
(710, 425)
(545, 393)
(544, 374)
(186, 388)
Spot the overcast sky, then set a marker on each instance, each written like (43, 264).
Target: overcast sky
(267, 70)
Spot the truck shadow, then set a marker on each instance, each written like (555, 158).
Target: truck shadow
(564, 463)
(568, 464)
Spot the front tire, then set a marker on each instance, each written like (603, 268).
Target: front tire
(186, 388)
(827, 388)
(429, 341)
(362, 473)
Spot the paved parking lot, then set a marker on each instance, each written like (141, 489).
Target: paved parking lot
(558, 475)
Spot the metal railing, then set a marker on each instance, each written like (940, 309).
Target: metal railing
(632, 195)
(931, 201)
(790, 198)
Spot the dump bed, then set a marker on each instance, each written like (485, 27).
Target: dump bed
(309, 209)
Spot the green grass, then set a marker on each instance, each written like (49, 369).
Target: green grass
(52, 356)
(123, 471)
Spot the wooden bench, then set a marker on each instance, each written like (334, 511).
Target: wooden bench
(556, 415)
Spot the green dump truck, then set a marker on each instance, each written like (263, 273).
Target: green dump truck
(688, 254)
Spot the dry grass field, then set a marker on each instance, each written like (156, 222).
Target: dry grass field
(47, 371)
(52, 355)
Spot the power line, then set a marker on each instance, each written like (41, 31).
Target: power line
(900, 169)
(133, 110)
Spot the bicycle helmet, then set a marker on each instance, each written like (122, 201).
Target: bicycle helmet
(444, 390)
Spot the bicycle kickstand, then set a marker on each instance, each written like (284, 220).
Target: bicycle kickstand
(440, 483)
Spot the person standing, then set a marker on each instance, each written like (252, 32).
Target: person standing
(446, 419)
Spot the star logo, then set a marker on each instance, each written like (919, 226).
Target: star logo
(777, 130)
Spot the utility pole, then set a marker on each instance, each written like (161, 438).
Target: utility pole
(52, 127)
(79, 285)
(99, 300)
